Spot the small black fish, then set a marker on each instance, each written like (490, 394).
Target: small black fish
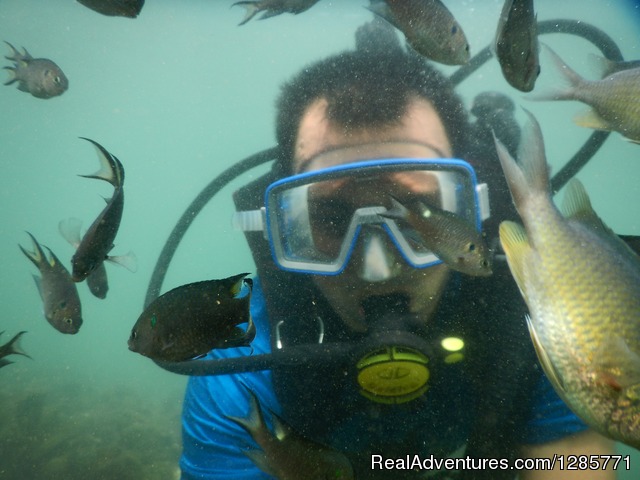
(97, 242)
(40, 77)
(115, 8)
(192, 319)
(59, 294)
(428, 26)
(271, 8)
(516, 44)
(11, 348)
(287, 455)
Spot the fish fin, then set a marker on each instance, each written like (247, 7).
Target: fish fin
(591, 119)
(13, 345)
(260, 459)
(70, 230)
(38, 281)
(252, 9)
(254, 423)
(573, 80)
(576, 205)
(52, 260)
(4, 362)
(515, 244)
(16, 55)
(111, 169)
(234, 284)
(617, 365)
(382, 10)
(128, 261)
(37, 256)
(13, 78)
(602, 65)
(397, 211)
(545, 361)
(531, 175)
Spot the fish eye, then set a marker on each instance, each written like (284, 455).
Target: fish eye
(134, 334)
(154, 320)
(57, 79)
(471, 247)
(454, 29)
(68, 321)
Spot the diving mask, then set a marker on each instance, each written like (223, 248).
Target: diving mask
(312, 220)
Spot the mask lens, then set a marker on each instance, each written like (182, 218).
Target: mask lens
(314, 219)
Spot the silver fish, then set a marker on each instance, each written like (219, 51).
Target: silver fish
(614, 100)
(581, 284)
(428, 26)
(59, 294)
(516, 44)
(40, 77)
(271, 8)
(288, 456)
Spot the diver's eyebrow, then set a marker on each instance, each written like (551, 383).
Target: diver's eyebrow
(302, 165)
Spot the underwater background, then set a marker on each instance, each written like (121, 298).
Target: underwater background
(178, 95)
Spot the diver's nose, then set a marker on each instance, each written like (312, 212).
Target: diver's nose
(378, 262)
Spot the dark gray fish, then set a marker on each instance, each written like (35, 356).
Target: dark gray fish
(516, 44)
(428, 26)
(97, 281)
(193, 319)
(453, 239)
(40, 77)
(115, 8)
(11, 348)
(271, 8)
(287, 455)
(97, 242)
(59, 294)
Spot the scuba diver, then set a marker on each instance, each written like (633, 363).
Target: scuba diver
(442, 364)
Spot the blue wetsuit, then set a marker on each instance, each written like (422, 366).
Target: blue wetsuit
(213, 446)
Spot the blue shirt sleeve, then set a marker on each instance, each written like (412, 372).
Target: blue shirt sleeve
(550, 418)
(213, 446)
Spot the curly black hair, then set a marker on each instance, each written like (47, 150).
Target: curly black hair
(367, 88)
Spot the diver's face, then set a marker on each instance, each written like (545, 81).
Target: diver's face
(376, 267)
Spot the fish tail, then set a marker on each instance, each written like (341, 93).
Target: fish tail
(37, 256)
(13, 347)
(53, 260)
(397, 211)
(531, 175)
(111, 170)
(254, 424)
(252, 8)
(16, 55)
(572, 78)
(13, 78)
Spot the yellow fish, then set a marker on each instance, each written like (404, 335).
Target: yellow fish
(582, 286)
